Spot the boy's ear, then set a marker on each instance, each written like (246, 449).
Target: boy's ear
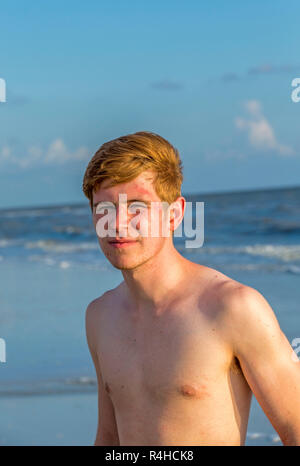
(177, 212)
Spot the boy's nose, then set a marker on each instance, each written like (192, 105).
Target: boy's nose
(121, 219)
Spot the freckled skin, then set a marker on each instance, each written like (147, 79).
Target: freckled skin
(146, 246)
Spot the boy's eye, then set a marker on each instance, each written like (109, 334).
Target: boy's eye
(111, 208)
(136, 205)
(103, 209)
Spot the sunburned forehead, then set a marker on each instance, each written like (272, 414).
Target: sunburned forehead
(140, 188)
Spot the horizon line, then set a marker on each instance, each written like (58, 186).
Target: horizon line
(191, 194)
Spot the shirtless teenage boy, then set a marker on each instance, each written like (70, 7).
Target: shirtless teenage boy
(178, 347)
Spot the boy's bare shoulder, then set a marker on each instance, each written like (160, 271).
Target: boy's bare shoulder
(232, 306)
(222, 290)
(96, 307)
(238, 306)
(231, 291)
(220, 284)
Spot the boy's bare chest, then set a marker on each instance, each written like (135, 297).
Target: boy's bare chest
(181, 358)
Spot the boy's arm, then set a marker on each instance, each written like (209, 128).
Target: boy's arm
(107, 432)
(268, 361)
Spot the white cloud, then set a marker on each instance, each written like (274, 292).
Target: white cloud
(57, 153)
(260, 132)
(5, 152)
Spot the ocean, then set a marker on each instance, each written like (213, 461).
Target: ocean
(51, 267)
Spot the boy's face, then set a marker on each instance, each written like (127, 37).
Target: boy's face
(130, 220)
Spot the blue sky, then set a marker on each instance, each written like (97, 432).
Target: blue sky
(212, 77)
